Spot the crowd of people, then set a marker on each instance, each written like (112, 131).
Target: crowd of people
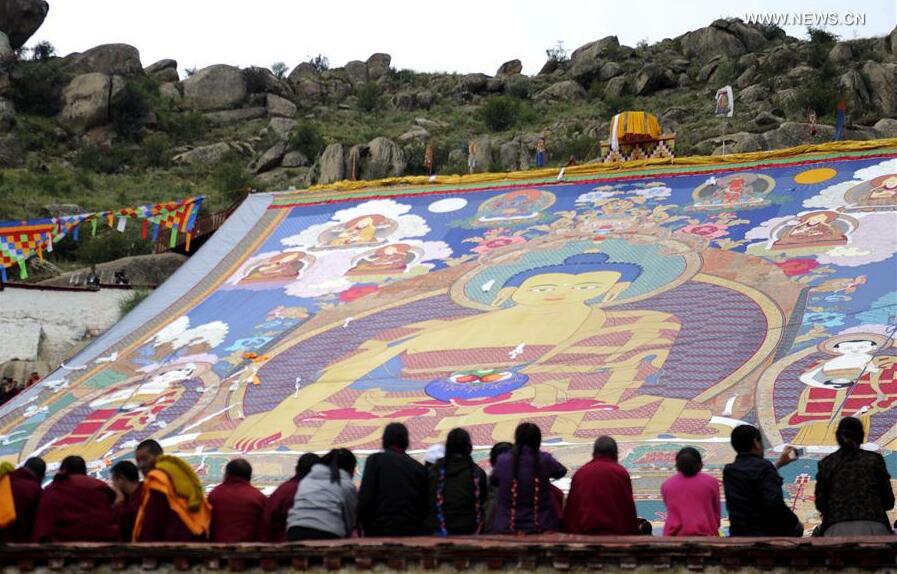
(399, 496)
(10, 387)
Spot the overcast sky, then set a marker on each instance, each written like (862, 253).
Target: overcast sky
(424, 35)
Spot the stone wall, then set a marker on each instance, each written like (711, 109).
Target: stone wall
(44, 325)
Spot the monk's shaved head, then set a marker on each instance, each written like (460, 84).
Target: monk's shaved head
(73, 465)
(37, 466)
(146, 454)
(238, 468)
(606, 446)
(125, 469)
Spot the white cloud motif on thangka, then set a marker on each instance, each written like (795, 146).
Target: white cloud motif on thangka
(179, 334)
(353, 232)
(832, 197)
(651, 190)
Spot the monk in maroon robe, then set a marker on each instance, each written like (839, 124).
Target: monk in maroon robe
(600, 499)
(164, 515)
(128, 496)
(75, 507)
(26, 493)
(274, 517)
(236, 505)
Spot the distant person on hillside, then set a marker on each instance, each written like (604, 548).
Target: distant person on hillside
(93, 280)
(541, 152)
(691, 497)
(600, 500)
(753, 489)
(853, 487)
(471, 156)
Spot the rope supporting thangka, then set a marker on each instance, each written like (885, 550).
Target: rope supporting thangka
(21, 240)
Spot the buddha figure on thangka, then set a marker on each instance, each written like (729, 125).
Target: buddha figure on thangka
(580, 335)
(853, 374)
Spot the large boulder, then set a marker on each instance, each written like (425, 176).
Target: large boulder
(378, 66)
(723, 37)
(882, 82)
(853, 86)
(564, 91)
(356, 72)
(270, 159)
(609, 70)
(166, 71)
(509, 69)
(86, 100)
(616, 87)
(19, 19)
(332, 164)
(7, 54)
(212, 153)
(886, 127)
(892, 39)
(281, 128)
(474, 83)
(279, 107)
(653, 77)
(306, 82)
(109, 59)
(586, 61)
(263, 81)
(217, 87)
(385, 159)
(514, 155)
(482, 154)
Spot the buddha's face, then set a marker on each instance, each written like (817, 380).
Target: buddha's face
(856, 347)
(564, 288)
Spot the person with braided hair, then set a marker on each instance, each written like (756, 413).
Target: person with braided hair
(522, 476)
(853, 487)
(457, 489)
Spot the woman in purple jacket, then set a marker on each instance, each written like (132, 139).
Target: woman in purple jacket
(522, 477)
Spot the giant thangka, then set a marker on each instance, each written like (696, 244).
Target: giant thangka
(661, 306)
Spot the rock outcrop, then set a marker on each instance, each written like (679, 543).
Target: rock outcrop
(19, 19)
(109, 59)
(87, 98)
(215, 88)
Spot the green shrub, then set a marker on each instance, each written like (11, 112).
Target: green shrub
(368, 97)
(109, 244)
(43, 51)
(557, 53)
(231, 177)
(821, 43)
(131, 107)
(308, 139)
(615, 104)
(500, 113)
(104, 160)
(818, 95)
(401, 77)
(518, 87)
(37, 87)
(182, 127)
(133, 299)
(157, 150)
(279, 69)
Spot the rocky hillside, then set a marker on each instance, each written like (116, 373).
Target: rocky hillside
(102, 128)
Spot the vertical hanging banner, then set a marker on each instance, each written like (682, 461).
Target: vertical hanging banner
(724, 103)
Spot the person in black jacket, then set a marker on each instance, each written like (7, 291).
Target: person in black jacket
(393, 494)
(458, 489)
(754, 489)
(853, 487)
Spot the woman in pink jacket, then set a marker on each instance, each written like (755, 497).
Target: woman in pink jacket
(691, 497)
